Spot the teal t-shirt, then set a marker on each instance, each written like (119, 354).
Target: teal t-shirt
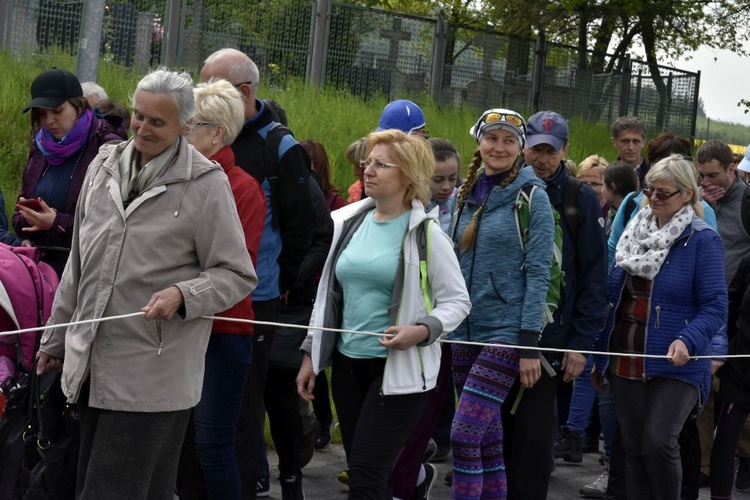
(367, 270)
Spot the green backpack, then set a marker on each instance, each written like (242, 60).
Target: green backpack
(556, 274)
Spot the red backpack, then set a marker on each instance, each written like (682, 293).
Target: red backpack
(27, 289)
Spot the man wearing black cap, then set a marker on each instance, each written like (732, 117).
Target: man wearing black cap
(529, 431)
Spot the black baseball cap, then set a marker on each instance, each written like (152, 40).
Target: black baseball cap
(52, 88)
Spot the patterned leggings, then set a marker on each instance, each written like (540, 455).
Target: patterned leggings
(483, 377)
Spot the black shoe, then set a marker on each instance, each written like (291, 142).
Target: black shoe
(430, 451)
(590, 444)
(425, 487)
(443, 450)
(263, 488)
(324, 436)
(569, 446)
(704, 480)
(308, 444)
(743, 474)
(291, 487)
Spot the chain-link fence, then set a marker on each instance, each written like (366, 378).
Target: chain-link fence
(369, 52)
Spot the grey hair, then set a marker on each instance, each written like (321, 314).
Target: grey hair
(92, 89)
(219, 102)
(178, 86)
(240, 67)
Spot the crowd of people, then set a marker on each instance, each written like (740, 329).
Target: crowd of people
(509, 317)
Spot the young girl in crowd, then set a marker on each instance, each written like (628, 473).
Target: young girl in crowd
(507, 286)
(443, 181)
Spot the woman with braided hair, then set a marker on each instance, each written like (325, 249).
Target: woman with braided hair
(507, 286)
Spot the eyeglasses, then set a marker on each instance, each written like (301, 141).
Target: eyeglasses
(380, 165)
(597, 185)
(512, 119)
(649, 192)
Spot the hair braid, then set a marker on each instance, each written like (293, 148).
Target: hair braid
(470, 234)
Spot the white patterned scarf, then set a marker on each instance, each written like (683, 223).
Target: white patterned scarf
(643, 247)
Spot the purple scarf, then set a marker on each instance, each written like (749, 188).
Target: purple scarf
(57, 152)
(485, 183)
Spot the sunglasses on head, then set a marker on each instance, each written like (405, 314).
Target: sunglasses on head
(661, 196)
(514, 120)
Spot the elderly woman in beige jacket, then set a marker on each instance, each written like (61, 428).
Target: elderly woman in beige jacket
(156, 228)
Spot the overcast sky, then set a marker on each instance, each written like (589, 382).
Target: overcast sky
(724, 82)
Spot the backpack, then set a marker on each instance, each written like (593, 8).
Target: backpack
(570, 217)
(424, 235)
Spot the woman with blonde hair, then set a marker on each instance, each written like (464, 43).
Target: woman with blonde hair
(668, 299)
(372, 282)
(508, 285)
(591, 171)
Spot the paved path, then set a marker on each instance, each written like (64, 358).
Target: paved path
(320, 478)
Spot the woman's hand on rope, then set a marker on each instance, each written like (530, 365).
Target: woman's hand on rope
(404, 337)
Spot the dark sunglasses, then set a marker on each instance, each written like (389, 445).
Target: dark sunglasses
(649, 192)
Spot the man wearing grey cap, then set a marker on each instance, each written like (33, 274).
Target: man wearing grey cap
(529, 430)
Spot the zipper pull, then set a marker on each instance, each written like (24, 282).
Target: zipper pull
(658, 312)
(424, 382)
(161, 344)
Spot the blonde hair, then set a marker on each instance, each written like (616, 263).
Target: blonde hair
(470, 233)
(219, 102)
(682, 173)
(594, 164)
(413, 156)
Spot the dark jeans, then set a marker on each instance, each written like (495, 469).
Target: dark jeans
(409, 461)
(690, 457)
(616, 485)
(282, 405)
(651, 415)
(529, 435)
(322, 401)
(373, 427)
(729, 424)
(214, 422)
(128, 455)
(253, 414)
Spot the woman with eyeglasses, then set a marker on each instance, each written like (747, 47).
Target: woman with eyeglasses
(219, 115)
(507, 286)
(374, 281)
(591, 171)
(668, 298)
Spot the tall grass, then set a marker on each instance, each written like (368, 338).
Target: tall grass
(334, 117)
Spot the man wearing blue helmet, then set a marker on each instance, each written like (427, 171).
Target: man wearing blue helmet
(405, 116)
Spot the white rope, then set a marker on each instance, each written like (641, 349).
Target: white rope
(357, 332)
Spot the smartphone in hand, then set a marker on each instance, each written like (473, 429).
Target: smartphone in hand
(32, 203)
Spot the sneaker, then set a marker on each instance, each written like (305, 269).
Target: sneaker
(263, 488)
(324, 436)
(425, 487)
(343, 477)
(569, 446)
(291, 487)
(590, 444)
(743, 474)
(443, 450)
(308, 444)
(597, 489)
(430, 451)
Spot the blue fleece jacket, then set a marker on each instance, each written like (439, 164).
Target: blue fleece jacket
(579, 314)
(507, 287)
(688, 301)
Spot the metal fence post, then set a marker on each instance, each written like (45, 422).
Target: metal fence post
(5, 26)
(694, 120)
(320, 23)
(439, 48)
(171, 33)
(537, 77)
(627, 67)
(89, 41)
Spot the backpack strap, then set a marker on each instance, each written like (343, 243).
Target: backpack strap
(522, 209)
(629, 207)
(570, 205)
(424, 236)
(271, 159)
(745, 210)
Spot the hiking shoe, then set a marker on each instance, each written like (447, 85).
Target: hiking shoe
(425, 487)
(743, 474)
(430, 451)
(443, 450)
(590, 444)
(569, 446)
(324, 436)
(343, 477)
(291, 487)
(263, 488)
(597, 489)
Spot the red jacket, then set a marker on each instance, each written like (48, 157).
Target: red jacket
(251, 207)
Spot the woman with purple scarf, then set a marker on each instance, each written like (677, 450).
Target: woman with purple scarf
(67, 136)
